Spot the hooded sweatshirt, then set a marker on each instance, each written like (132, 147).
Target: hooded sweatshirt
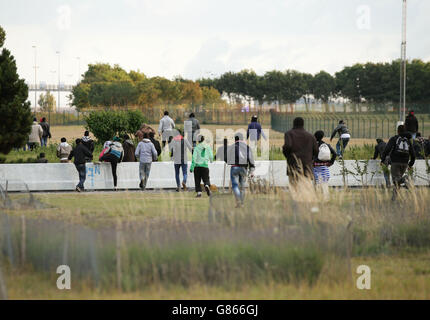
(201, 156)
(146, 152)
(178, 149)
(166, 124)
(88, 142)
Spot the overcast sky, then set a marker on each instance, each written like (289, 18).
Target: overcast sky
(201, 38)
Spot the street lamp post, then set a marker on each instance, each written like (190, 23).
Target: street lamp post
(58, 88)
(402, 113)
(79, 68)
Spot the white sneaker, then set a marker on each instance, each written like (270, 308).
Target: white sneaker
(199, 195)
(208, 190)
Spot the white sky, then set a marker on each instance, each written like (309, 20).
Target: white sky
(196, 38)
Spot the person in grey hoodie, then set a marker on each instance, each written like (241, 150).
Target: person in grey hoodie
(195, 127)
(165, 128)
(146, 153)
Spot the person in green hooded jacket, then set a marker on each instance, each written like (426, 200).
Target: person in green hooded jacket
(200, 165)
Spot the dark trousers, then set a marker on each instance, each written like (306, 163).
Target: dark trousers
(397, 172)
(201, 173)
(82, 174)
(113, 162)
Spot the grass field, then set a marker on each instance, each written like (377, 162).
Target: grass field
(280, 245)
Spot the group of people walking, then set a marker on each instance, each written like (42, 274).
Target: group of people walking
(39, 134)
(308, 156)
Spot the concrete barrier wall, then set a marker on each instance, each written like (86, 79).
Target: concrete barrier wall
(59, 176)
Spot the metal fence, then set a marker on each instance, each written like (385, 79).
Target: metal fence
(366, 126)
(62, 118)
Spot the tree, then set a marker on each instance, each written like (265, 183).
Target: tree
(323, 86)
(80, 96)
(47, 102)
(15, 111)
(107, 123)
(210, 95)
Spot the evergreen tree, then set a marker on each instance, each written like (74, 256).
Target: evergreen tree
(15, 124)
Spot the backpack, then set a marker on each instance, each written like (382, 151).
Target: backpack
(324, 153)
(402, 145)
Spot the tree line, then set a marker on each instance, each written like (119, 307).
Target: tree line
(374, 83)
(107, 86)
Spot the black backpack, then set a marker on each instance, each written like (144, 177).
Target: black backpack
(402, 145)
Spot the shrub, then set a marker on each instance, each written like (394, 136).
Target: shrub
(108, 123)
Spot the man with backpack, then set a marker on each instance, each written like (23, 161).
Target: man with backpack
(241, 159)
(402, 156)
(325, 158)
(344, 137)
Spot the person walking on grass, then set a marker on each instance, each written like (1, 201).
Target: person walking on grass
(35, 136)
(254, 131)
(300, 148)
(146, 153)
(379, 150)
(178, 151)
(165, 128)
(402, 156)
(202, 155)
(195, 127)
(80, 153)
(88, 142)
(114, 155)
(63, 151)
(241, 159)
(325, 159)
(46, 132)
(344, 137)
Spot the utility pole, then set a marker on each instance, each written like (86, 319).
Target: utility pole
(58, 104)
(402, 106)
(35, 80)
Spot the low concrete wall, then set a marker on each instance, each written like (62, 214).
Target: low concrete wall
(59, 176)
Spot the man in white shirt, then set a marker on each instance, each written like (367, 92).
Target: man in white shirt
(165, 128)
